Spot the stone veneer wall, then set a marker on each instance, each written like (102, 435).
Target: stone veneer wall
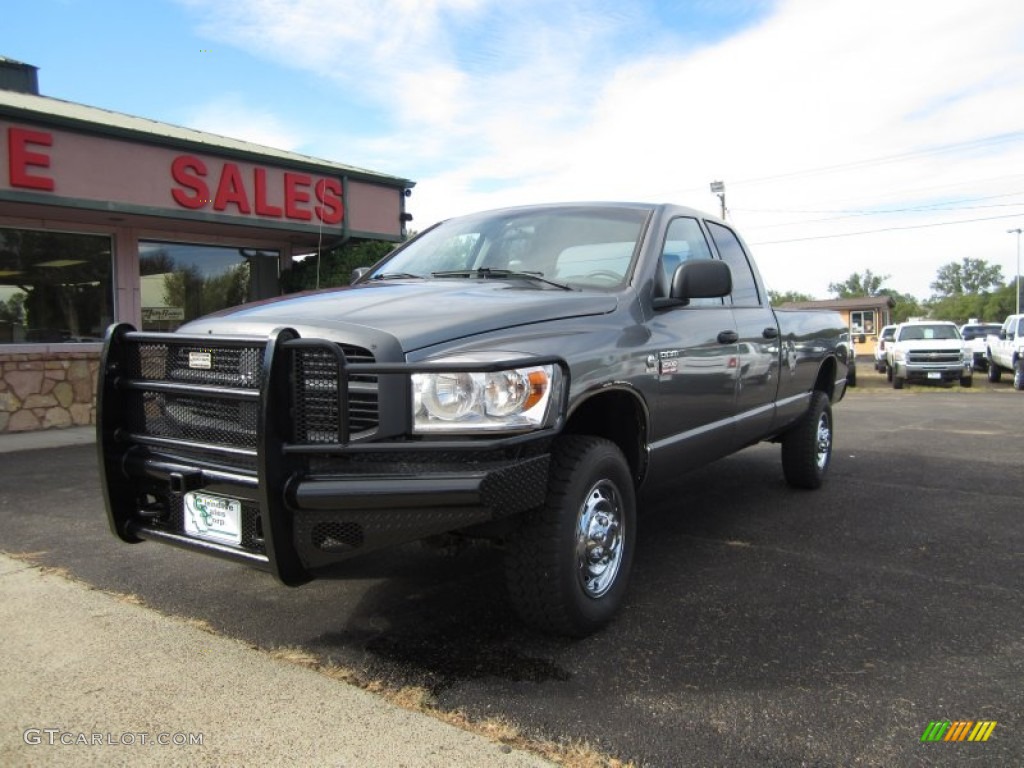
(47, 390)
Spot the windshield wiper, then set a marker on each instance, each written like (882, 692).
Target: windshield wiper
(486, 272)
(396, 276)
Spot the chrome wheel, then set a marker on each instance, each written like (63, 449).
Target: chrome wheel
(807, 445)
(599, 539)
(824, 442)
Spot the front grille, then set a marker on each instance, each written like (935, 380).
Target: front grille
(316, 396)
(936, 357)
(228, 366)
(213, 419)
(194, 417)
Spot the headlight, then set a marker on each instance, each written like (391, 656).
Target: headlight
(518, 399)
(898, 354)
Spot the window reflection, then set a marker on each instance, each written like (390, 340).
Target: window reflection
(181, 282)
(54, 287)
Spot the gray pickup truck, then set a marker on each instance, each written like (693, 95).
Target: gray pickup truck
(519, 375)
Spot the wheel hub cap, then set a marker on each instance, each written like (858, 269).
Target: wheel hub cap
(824, 443)
(599, 539)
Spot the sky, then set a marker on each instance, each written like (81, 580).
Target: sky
(850, 135)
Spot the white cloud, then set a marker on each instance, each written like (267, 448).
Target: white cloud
(822, 105)
(231, 116)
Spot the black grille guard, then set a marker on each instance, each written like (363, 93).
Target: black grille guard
(277, 458)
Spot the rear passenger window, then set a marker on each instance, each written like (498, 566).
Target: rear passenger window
(685, 241)
(744, 287)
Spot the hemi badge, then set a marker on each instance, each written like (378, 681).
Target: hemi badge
(202, 360)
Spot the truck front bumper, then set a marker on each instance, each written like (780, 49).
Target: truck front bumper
(331, 517)
(944, 373)
(243, 469)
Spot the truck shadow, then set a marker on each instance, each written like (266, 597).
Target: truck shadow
(739, 583)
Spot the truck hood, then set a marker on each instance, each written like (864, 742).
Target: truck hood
(418, 314)
(916, 344)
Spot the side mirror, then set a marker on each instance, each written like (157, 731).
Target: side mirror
(701, 279)
(1002, 334)
(357, 273)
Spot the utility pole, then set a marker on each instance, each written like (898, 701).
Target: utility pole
(1017, 281)
(718, 188)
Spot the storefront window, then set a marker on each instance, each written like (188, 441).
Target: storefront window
(181, 282)
(863, 322)
(54, 287)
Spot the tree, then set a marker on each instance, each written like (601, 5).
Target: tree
(334, 267)
(970, 276)
(856, 285)
(199, 295)
(907, 306)
(789, 297)
(13, 310)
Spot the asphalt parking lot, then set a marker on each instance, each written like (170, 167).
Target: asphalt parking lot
(764, 627)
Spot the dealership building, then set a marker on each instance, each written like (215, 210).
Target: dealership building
(106, 217)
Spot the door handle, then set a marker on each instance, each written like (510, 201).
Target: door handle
(728, 337)
(771, 332)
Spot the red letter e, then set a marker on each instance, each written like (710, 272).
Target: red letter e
(22, 158)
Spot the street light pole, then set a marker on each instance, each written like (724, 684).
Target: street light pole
(1016, 285)
(718, 188)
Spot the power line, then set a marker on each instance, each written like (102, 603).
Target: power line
(870, 212)
(880, 160)
(853, 214)
(883, 159)
(887, 229)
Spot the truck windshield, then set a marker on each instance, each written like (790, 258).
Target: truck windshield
(971, 332)
(919, 332)
(575, 246)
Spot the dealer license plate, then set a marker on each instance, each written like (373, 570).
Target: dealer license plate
(934, 375)
(214, 518)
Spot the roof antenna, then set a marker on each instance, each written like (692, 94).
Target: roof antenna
(319, 245)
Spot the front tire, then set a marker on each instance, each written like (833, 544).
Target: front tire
(966, 381)
(898, 382)
(807, 446)
(1018, 375)
(567, 566)
(995, 373)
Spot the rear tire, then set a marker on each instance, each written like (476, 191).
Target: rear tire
(888, 372)
(567, 565)
(807, 445)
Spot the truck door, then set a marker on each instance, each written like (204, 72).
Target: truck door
(758, 341)
(692, 363)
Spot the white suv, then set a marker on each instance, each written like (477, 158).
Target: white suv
(928, 350)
